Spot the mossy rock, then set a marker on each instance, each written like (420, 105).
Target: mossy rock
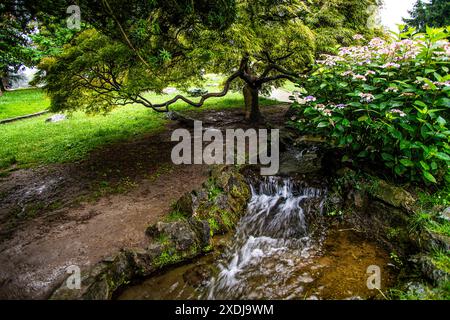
(182, 234)
(430, 268)
(171, 243)
(100, 282)
(393, 195)
(222, 200)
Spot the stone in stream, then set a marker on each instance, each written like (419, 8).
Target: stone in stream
(300, 162)
(198, 275)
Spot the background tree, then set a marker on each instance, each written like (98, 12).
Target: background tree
(433, 14)
(148, 45)
(15, 26)
(26, 35)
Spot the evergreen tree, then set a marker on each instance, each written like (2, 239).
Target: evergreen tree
(432, 14)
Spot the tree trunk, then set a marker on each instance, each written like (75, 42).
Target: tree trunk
(2, 86)
(251, 100)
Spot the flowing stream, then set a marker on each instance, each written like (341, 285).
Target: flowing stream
(271, 244)
(280, 250)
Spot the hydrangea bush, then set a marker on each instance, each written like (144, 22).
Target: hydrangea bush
(385, 101)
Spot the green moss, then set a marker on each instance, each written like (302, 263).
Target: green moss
(396, 259)
(213, 190)
(442, 228)
(227, 220)
(440, 292)
(441, 259)
(194, 249)
(208, 248)
(174, 215)
(213, 226)
(393, 233)
(113, 284)
(242, 193)
(163, 239)
(167, 257)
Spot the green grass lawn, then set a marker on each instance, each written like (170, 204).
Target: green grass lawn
(290, 86)
(33, 141)
(21, 102)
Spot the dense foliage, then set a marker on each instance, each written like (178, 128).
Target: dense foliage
(27, 34)
(14, 45)
(385, 102)
(435, 13)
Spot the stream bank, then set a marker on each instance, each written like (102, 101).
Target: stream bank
(311, 233)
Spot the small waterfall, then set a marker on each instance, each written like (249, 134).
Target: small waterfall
(271, 245)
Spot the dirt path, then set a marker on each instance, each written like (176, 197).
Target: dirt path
(102, 205)
(280, 95)
(77, 214)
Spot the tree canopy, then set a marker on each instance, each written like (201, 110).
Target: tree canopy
(432, 14)
(142, 45)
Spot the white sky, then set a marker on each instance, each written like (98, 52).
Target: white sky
(394, 11)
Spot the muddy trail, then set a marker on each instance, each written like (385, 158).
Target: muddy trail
(79, 213)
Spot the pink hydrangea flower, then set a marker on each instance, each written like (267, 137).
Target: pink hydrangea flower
(327, 112)
(359, 77)
(391, 89)
(366, 97)
(347, 73)
(399, 112)
(319, 107)
(390, 65)
(376, 42)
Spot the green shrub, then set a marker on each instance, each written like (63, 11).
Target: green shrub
(385, 102)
